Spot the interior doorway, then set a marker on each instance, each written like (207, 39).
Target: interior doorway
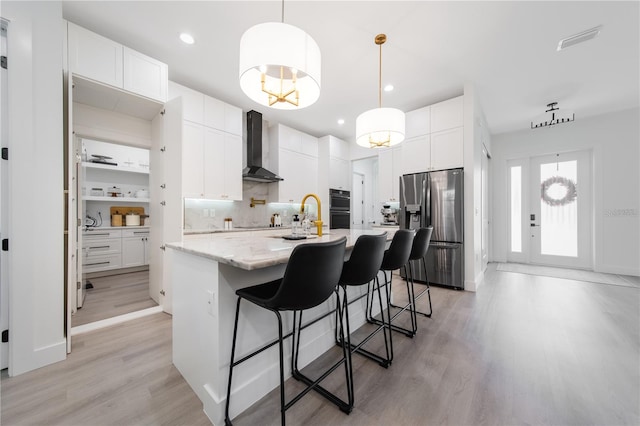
(550, 210)
(357, 201)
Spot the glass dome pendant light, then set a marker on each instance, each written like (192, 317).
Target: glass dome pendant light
(280, 65)
(380, 127)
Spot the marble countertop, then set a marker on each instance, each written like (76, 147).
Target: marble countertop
(260, 249)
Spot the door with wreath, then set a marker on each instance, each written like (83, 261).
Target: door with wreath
(553, 211)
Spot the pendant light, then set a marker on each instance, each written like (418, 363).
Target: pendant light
(279, 65)
(380, 127)
(553, 116)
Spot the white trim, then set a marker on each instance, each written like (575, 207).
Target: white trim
(92, 326)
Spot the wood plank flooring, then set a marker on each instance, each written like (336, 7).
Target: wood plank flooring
(114, 295)
(524, 349)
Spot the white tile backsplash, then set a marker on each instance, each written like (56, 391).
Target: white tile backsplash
(210, 214)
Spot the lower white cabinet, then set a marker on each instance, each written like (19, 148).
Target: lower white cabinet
(107, 249)
(101, 250)
(135, 247)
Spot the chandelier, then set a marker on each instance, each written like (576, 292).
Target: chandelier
(553, 116)
(280, 65)
(380, 127)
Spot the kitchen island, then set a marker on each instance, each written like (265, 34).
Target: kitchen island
(205, 272)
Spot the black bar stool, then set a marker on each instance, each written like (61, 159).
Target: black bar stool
(418, 253)
(362, 268)
(311, 276)
(396, 257)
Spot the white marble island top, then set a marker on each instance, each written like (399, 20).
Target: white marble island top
(261, 249)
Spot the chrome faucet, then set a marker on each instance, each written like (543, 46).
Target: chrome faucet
(318, 222)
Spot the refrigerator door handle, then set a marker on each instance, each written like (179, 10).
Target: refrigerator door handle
(446, 246)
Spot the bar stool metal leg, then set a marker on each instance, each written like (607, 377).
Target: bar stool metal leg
(227, 420)
(426, 290)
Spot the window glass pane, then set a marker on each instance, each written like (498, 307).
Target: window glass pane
(559, 208)
(516, 209)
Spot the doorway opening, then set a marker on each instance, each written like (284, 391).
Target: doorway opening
(550, 210)
(112, 187)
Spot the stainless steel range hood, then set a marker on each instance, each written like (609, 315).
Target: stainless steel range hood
(254, 171)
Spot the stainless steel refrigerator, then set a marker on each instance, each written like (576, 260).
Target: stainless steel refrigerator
(436, 199)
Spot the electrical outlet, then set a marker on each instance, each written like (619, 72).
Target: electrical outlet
(211, 300)
(205, 213)
(212, 212)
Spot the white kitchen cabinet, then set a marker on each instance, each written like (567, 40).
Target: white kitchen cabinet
(389, 172)
(135, 247)
(192, 160)
(447, 149)
(222, 116)
(94, 56)
(339, 164)
(447, 114)
(101, 250)
(294, 157)
(339, 173)
(339, 148)
(416, 154)
(417, 122)
(144, 75)
(222, 155)
(211, 163)
(103, 60)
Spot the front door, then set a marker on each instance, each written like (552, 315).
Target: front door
(550, 202)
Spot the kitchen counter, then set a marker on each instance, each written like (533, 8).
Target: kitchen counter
(205, 271)
(259, 249)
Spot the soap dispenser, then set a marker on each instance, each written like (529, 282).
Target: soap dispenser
(295, 225)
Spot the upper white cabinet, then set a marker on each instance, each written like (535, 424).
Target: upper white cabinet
(202, 109)
(434, 138)
(211, 163)
(416, 154)
(389, 172)
(447, 115)
(294, 156)
(418, 122)
(211, 146)
(339, 164)
(95, 57)
(447, 149)
(103, 60)
(144, 75)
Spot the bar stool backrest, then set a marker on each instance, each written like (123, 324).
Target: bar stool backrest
(398, 253)
(311, 276)
(365, 260)
(421, 243)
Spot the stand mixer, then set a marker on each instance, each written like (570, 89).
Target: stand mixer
(389, 215)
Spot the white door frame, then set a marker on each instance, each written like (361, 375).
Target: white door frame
(529, 193)
(357, 181)
(4, 122)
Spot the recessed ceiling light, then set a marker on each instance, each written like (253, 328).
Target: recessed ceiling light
(388, 87)
(579, 38)
(341, 121)
(187, 38)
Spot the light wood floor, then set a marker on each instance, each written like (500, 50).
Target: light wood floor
(524, 349)
(114, 295)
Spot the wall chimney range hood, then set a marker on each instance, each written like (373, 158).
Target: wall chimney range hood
(254, 171)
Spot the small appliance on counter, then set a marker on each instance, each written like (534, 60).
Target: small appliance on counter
(389, 215)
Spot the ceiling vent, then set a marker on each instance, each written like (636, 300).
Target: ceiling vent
(579, 38)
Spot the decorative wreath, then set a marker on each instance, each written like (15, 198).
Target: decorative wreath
(568, 198)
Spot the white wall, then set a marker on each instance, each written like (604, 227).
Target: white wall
(615, 143)
(36, 246)
(474, 139)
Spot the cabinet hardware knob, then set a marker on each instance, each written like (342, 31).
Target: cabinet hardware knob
(163, 203)
(163, 186)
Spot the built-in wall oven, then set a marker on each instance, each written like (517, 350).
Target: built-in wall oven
(339, 209)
